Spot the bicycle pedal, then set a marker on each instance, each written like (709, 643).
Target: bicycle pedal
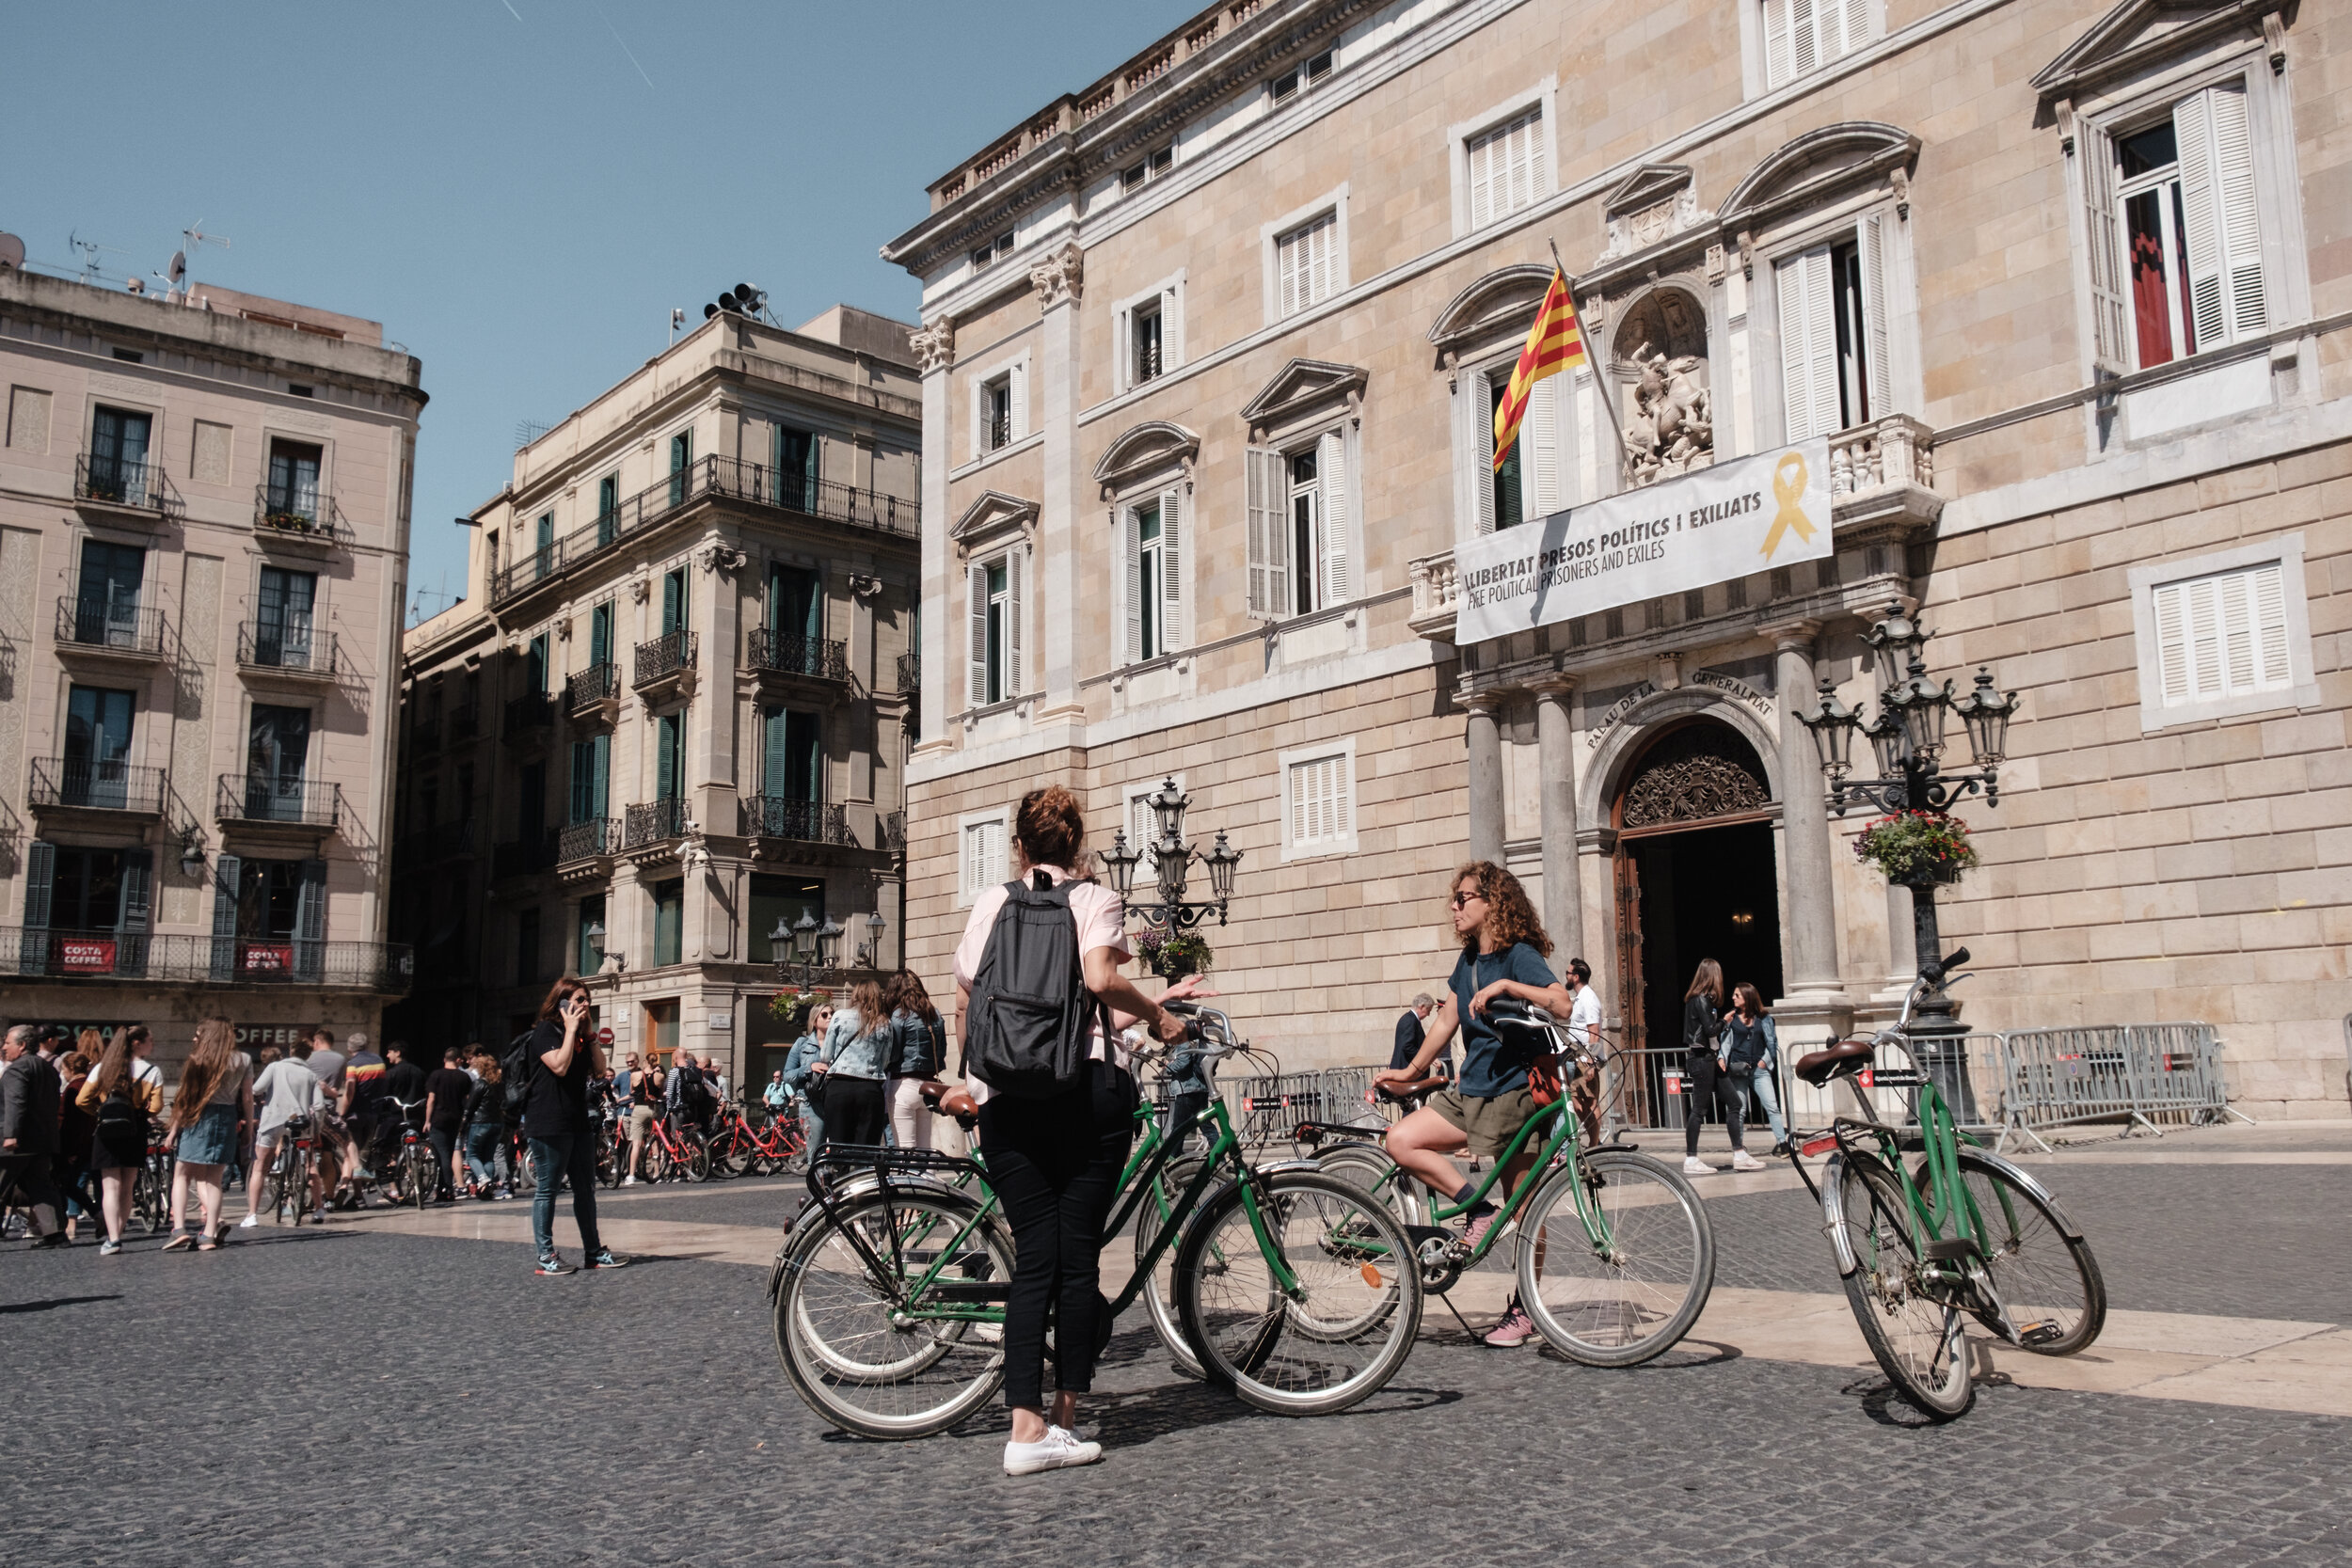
(2038, 1334)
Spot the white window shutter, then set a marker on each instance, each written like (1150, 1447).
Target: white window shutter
(1020, 385)
(1482, 421)
(2235, 601)
(1808, 344)
(2172, 641)
(2274, 668)
(1829, 16)
(975, 588)
(1130, 594)
(1286, 274)
(979, 421)
(2239, 225)
(1012, 623)
(1482, 206)
(2111, 342)
(1171, 327)
(2192, 127)
(1123, 349)
(1268, 484)
(1871, 242)
(1540, 430)
(1804, 45)
(1175, 632)
(1332, 467)
(1775, 42)
(1532, 136)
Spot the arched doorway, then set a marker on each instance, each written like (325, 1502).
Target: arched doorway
(1696, 878)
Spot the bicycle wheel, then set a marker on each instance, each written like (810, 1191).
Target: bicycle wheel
(851, 1353)
(1628, 1285)
(1912, 1329)
(1369, 1167)
(2056, 1296)
(1291, 1350)
(1160, 1300)
(697, 1159)
(659, 1166)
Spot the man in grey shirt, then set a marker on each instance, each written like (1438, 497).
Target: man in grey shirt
(288, 1087)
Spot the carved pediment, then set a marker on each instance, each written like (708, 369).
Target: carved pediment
(1148, 449)
(994, 515)
(1506, 299)
(1646, 186)
(2137, 33)
(1818, 166)
(1301, 387)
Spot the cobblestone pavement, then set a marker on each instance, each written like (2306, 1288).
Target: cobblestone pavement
(361, 1395)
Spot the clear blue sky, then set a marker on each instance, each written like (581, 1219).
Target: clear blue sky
(521, 189)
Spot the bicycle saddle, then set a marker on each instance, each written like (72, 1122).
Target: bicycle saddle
(933, 1091)
(1819, 1066)
(1413, 1089)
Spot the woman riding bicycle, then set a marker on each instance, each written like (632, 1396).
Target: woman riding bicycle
(1503, 957)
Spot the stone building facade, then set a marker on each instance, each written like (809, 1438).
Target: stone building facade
(673, 705)
(1210, 351)
(203, 551)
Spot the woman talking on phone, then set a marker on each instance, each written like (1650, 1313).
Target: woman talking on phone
(563, 1061)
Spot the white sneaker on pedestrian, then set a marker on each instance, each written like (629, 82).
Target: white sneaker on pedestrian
(628, 1181)
(1743, 1160)
(1697, 1167)
(1060, 1450)
(248, 1222)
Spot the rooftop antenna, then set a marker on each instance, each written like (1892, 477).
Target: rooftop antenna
(90, 249)
(677, 319)
(194, 233)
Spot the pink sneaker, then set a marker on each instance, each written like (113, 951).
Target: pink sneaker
(1515, 1329)
(1475, 1228)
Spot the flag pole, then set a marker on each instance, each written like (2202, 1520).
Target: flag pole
(1606, 400)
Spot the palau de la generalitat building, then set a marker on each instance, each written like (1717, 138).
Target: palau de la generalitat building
(2047, 298)
(203, 548)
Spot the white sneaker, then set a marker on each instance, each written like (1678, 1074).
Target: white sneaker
(1743, 1160)
(628, 1181)
(248, 1222)
(1697, 1167)
(1060, 1450)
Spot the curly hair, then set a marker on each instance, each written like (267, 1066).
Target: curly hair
(1509, 915)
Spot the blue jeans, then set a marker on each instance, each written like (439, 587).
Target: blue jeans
(1759, 1084)
(565, 1157)
(484, 1144)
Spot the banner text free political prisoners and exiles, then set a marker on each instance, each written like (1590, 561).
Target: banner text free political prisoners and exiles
(1719, 523)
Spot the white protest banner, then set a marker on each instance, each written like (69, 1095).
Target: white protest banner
(1711, 526)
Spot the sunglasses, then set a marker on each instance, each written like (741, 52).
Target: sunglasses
(1462, 898)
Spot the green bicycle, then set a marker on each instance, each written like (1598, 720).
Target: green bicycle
(1959, 1233)
(1291, 1288)
(1616, 1257)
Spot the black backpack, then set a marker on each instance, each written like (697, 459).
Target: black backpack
(514, 1072)
(1032, 1023)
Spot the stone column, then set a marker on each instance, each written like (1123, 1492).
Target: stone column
(1555, 750)
(1484, 741)
(1809, 956)
(934, 353)
(1053, 380)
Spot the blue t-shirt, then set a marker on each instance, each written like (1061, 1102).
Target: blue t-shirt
(1495, 1063)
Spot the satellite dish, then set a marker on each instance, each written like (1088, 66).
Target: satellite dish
(179, 268)
(11, 252)
(709, 310)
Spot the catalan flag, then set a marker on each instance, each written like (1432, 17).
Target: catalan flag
(1554, 343)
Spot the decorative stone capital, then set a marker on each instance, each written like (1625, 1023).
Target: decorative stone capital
(934, 345)
(1487, 700)
(1559, 685)
(640, 585)
(1794, 636)
(864, 586)
(1057, 278)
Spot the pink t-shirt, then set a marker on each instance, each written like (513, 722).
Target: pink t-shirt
(1102, 917)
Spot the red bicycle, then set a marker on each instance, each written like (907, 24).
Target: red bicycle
(678, 1154)
(779, 1144)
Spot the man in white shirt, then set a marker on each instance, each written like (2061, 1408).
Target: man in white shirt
(1583, 1024)
(286, 1089)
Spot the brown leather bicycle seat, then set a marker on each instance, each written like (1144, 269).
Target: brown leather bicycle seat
(1412, 1089)
(1819, 1066)
(959, 1104)
(933, 1091)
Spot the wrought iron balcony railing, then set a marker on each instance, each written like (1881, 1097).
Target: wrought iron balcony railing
(655, 822)
(586, 841)
(712, 478)
(103, 956)
(111, 481)
(292, 510)
(791, 654)
(804, 821)
(269, 645)
(527, 712)
(276, 799)
(522, 856)
(894, 831)
(664, 656)
(82, 784)
(115, 628)
(910, 673)
(585, 688)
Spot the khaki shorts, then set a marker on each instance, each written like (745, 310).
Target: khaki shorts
(1490, 1124)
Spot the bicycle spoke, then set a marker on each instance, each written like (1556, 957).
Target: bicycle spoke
(1900, 1300)
(1626, 1284)
(2056, 1299)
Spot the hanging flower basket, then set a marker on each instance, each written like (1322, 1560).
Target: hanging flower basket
(1917, 848)
(1173, 957)
(789, 1001)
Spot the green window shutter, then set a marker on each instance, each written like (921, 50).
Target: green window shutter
(225, 876)
(132, 921)
(311, 923)
(41, 872)
(667, 742)
(601, 771)
(600, 634)
(777, 745)
(672, 601)
(804, 743)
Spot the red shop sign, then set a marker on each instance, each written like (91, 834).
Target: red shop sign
(86, 955)
(266, 957)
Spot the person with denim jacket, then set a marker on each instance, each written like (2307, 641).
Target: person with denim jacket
(1752, 1058)
(856, 1063)
(799, 1077)
(918, 1051)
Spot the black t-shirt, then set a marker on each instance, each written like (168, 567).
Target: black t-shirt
(405, 1080)
(449, 1090)
(363, 1075)
(556, 1107)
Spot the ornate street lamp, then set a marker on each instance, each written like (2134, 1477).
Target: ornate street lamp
(1171, 867)
(806, 954)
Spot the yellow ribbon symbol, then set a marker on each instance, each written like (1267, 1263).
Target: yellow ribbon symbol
(1789, 481)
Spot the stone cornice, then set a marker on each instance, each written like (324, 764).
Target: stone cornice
(2120, 42)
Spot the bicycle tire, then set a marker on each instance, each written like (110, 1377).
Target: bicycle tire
(1916, 1338)
(2049, 1281)
(1338, 1243)
(829, 1313)
(658, 1162)
(1636, 1302)
(698, 1161)
(1371, 1167)
(1160, 1300)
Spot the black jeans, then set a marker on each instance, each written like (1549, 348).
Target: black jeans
(1701, 1083)
(570, 1157)
(1055, 1165)
(443, 1137)
(855, 1110)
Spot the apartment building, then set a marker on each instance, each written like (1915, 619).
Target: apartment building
(2051, 292)
(203, 550)
(670, 717)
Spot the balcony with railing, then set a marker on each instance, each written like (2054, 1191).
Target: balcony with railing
(81, 783)
(265, 800)
(800, 821)
(664, 660)
(113, 956)
(910, 673)
(274, 647)
(591, 840)
(298, 514)
(653, 822)
(122, 485)
(109, 628)
(521, 857)
(585, 690)
(527, 713)
(785, 653)
(723, 479)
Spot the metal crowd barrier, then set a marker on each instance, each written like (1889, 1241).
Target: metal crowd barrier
(2135, 1072)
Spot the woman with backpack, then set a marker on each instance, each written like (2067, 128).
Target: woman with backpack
(918, 1051)
(853, 1066)
(120, 1098)
(1053, 1152)
(1706, 1074)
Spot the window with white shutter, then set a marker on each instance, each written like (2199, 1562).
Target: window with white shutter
(1306, 264)
(1267, 482)
(1151, 329)
(1333, 540)
(2175, 199)
(1507, 168)
(1835, 359)
(993, 603)
(1151, 570)
(1803, 36)
(984, 861)
(1318, 803)
(2224, 634)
